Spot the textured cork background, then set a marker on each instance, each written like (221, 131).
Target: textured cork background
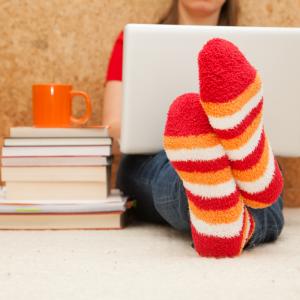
(70, 42)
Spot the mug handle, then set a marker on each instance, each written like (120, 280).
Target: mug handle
(88, 112)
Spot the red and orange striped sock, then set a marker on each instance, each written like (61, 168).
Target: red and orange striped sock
(231, 95)
(220, 222)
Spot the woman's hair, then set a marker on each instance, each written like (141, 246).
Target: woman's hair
(228, 15)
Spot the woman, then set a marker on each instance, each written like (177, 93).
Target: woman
(152, 179)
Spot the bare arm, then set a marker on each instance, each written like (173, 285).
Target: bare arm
(112, 111)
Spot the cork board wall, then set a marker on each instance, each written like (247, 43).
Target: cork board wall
(61, 41)
(70, 41)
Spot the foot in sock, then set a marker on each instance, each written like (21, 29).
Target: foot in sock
(231, 95)
(220, 222)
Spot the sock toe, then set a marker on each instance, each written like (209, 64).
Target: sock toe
(223, 70)
(186, 117)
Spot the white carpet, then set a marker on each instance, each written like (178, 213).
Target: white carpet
(144, 262)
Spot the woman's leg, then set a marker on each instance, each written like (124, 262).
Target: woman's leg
(170, 201)
(268, 223)
(161, 198)
(169, 196)
(220, 223)
(134, 177)
(153, 182)
(232, 96)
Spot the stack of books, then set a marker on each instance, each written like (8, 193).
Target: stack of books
(59, 178)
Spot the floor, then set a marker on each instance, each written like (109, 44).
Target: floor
(144, 262)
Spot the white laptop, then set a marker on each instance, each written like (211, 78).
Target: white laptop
(160, 63)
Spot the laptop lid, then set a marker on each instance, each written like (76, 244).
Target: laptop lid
(160, 63)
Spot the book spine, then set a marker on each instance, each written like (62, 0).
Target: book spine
(28, 151)
(50, 174)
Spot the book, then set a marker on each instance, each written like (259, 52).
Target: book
(96, 131)
(32, 161)
(67, 141)
(41, 174)
(114, 197)
(113, 202)
(62, 208)
(63, 221)
(62, 190)
(56, 151)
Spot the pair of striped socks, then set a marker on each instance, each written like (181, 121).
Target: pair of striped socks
(216, 142)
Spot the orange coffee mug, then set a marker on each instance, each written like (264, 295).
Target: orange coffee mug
(52, 105)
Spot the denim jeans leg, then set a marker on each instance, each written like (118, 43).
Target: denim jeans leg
(269, 223)
(169, 196)
(159, 192)
(134, 177)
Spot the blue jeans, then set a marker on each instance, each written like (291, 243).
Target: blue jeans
(161, 198)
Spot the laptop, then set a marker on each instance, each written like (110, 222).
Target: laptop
(160, 63)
